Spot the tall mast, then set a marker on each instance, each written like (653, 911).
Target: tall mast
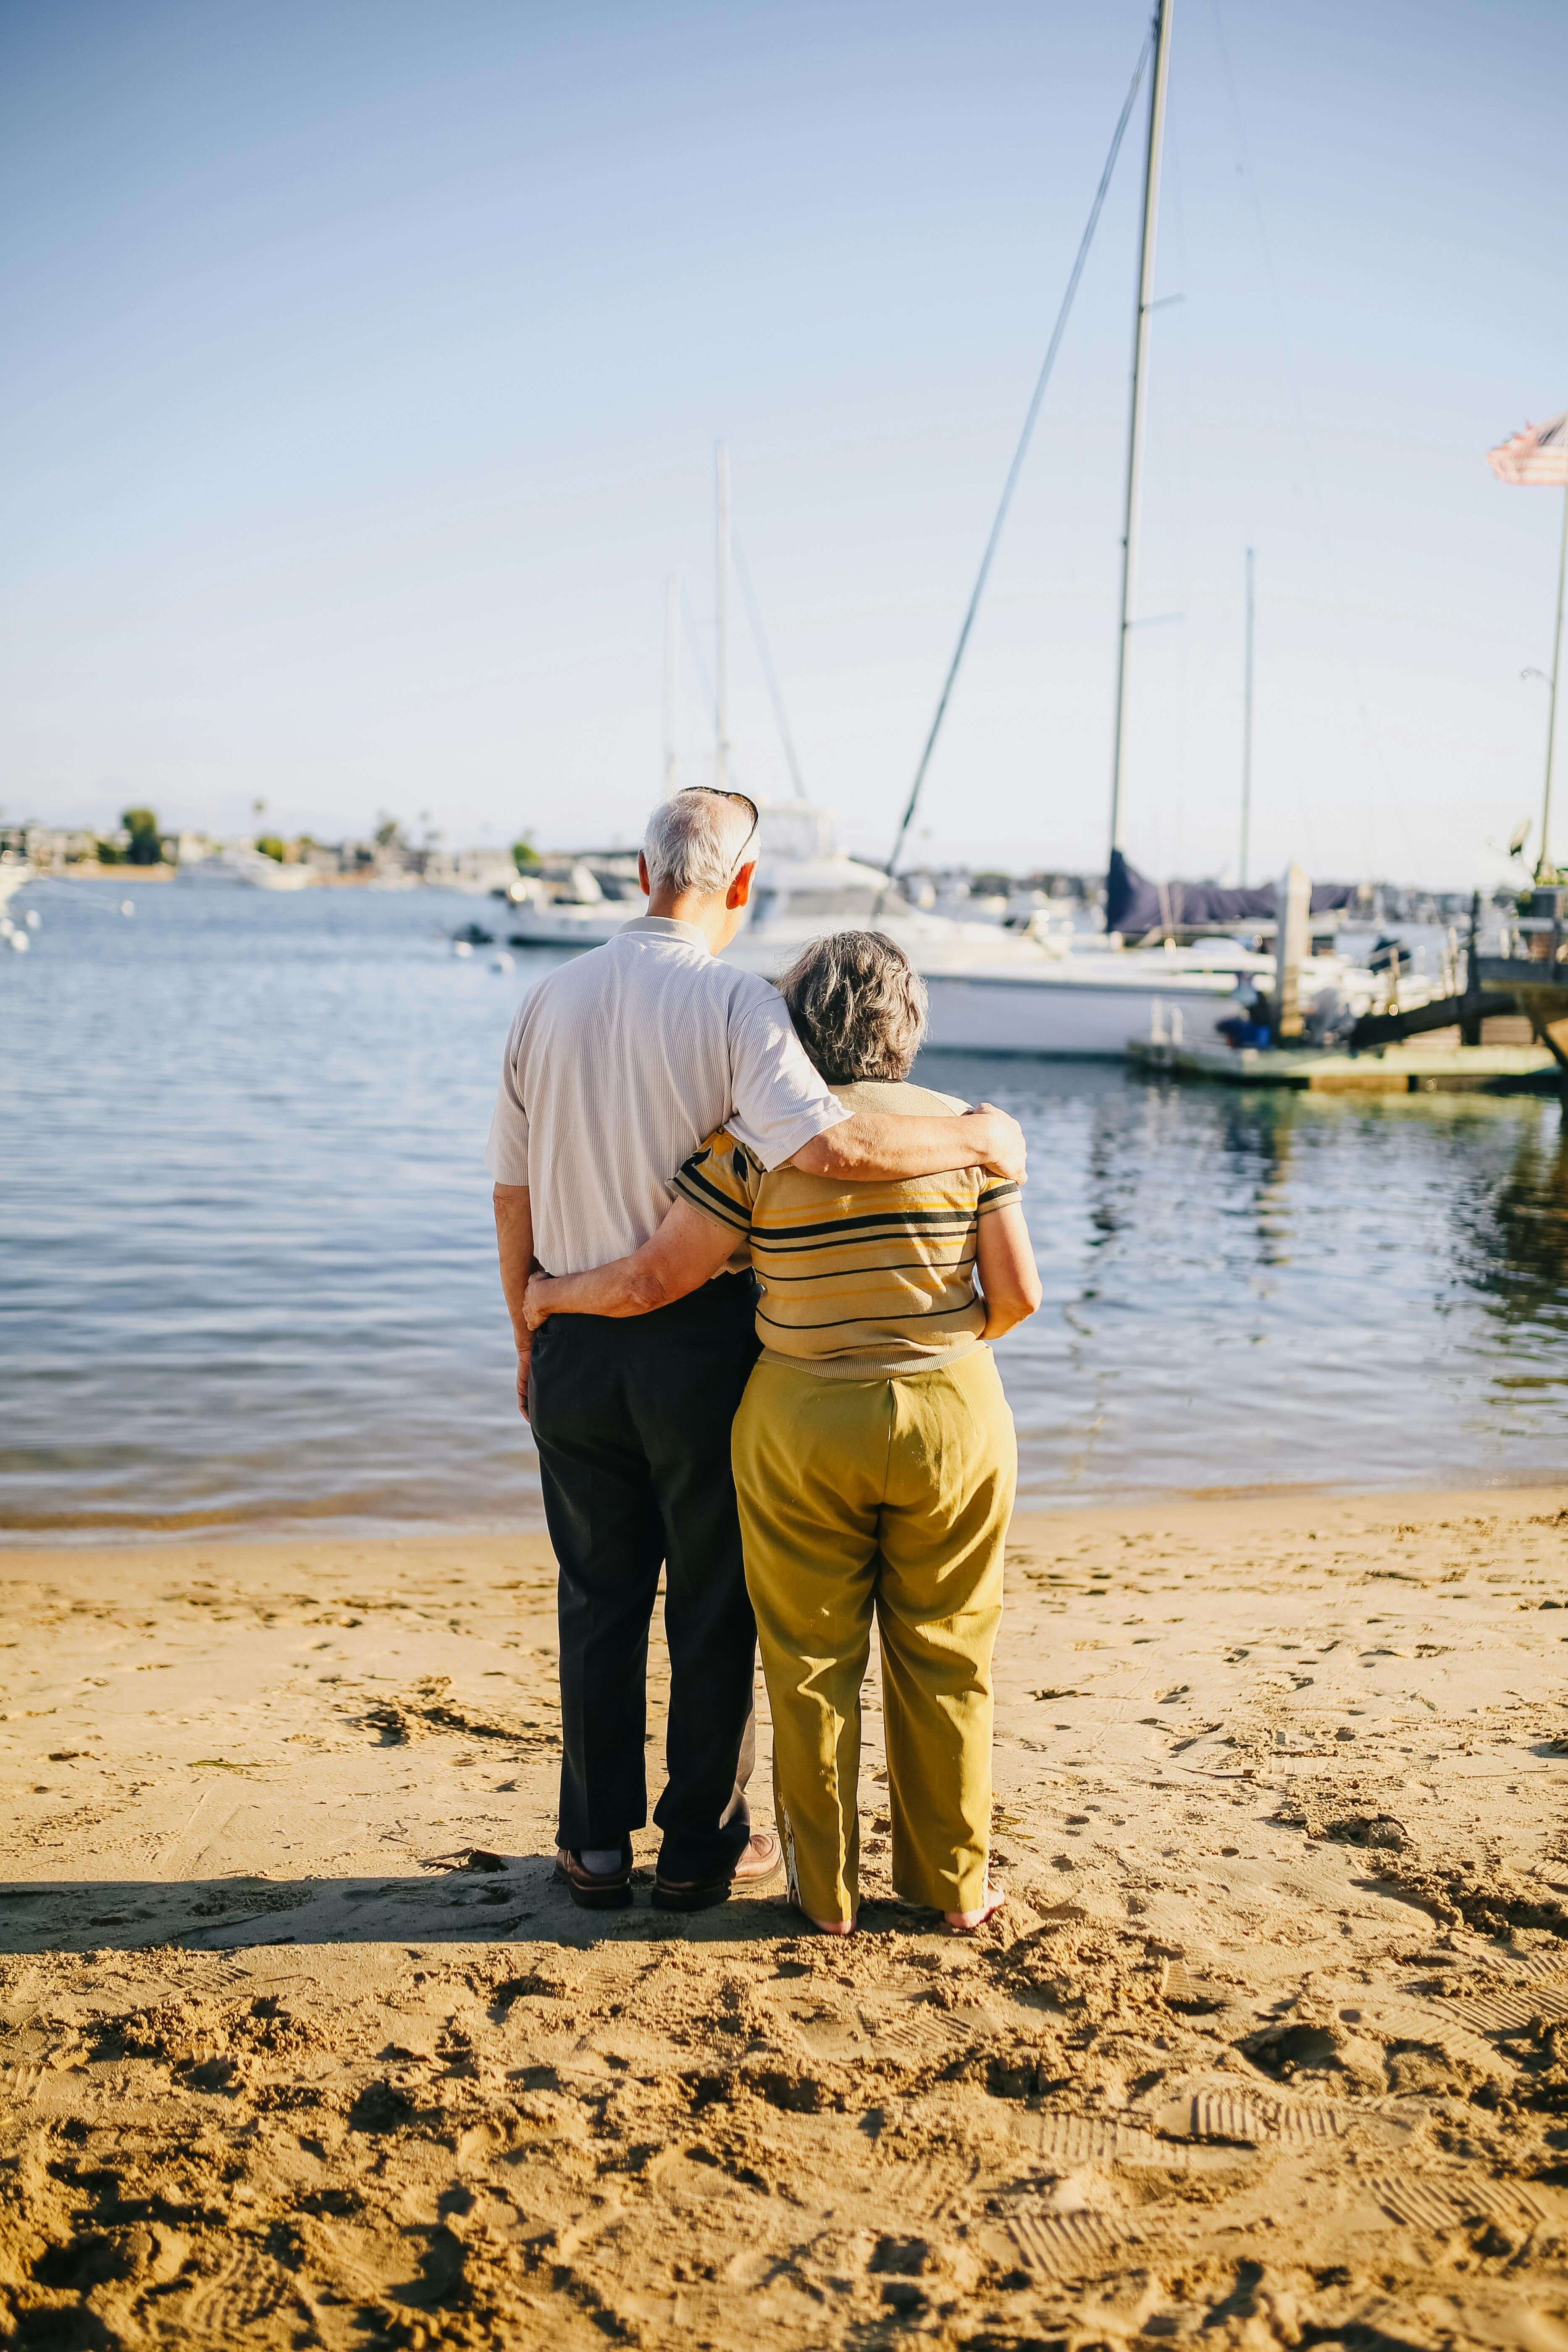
(671, 681)
(1140, 391)
(722, 620)
(1247, 725)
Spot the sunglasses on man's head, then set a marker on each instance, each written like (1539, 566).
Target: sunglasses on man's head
(722, 793)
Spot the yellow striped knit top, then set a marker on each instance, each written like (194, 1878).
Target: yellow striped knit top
(858, 1281)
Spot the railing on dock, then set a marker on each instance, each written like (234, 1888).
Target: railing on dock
(1535, 983)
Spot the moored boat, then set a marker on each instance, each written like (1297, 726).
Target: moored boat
(243, 869)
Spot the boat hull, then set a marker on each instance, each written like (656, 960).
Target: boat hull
(561, 926)
(995, 993)
(1073, 1015)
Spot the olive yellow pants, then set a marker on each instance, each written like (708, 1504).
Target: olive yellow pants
(892, 1497)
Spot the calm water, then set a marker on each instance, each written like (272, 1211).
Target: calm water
(247, 1266)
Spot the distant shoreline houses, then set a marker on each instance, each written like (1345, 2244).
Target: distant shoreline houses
(391, 861)
(387, 857)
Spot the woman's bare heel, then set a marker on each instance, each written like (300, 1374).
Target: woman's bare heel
(826, 1927)
(965, 1922)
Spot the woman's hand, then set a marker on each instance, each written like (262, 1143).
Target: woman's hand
(536, 1302)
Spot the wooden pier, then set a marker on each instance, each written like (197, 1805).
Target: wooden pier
(1387, 1070)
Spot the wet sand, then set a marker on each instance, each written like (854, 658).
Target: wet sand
(301, 2047)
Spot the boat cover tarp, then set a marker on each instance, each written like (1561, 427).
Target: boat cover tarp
(1134, 905)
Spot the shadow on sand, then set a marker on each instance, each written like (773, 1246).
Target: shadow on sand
(496, 1899)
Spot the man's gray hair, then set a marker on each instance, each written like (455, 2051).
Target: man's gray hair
(858, 1006)
(694, 841)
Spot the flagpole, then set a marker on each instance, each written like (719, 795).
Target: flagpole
(1546, 871)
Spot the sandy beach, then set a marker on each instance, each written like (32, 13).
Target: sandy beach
(301, 2047)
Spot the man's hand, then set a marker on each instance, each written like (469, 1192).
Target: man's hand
(514, 1242)
(874, 1147)
(536, 1307)
(999, 1143)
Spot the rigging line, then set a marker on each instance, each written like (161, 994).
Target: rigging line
(754, 615)
(1292, 379)
(1020, 453)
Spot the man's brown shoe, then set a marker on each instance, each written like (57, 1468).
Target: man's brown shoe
(761, 1858)
(594, 1890)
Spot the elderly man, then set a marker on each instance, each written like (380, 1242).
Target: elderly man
(616, 1067)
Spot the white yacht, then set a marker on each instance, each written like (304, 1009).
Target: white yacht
(14, 871)
(242, 867)
(1040, 989)
(995, 991)
(584, 915)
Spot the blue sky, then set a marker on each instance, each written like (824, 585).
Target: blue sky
(363, 365)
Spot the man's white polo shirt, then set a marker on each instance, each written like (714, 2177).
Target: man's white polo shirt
(620, 1064)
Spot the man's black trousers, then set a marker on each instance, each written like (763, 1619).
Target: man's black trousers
(631, 1416)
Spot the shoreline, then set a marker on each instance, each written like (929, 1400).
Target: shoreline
(71, 1534)
(301, 2044)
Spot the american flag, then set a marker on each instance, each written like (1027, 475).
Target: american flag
(1538, 455)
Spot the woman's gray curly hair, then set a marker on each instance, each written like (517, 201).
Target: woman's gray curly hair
(858, 1006)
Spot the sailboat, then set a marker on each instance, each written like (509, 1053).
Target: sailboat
(1042, 989)
(1045, 990)
(1090, 995)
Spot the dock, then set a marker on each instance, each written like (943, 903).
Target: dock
(1437, 1048)
(1386, 1070)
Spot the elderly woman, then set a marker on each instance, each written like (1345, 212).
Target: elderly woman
(874, 1452)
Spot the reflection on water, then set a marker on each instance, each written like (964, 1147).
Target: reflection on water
(249, 1271)
(1258, 1146)
(1520, 1232)
(1259, 1287)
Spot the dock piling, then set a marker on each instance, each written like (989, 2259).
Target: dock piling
(1295, 899)
(1470, 1014)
